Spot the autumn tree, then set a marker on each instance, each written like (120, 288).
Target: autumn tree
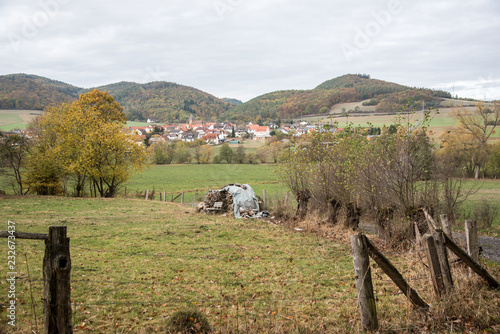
(481, 124)
(13, 154)
(87, 144)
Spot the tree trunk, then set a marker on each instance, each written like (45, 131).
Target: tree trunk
(384, 216)
(352, 216)
(302, 198)
(333, 211)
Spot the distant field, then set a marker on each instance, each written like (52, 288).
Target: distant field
(201, 178)
(16, 119)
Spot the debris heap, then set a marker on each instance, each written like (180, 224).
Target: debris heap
(226, 197)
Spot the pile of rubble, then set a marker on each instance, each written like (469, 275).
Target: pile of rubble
(217, 196)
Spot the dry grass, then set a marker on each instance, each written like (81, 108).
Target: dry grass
(136, 262)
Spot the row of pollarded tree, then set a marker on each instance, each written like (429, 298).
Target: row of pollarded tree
(394, 175)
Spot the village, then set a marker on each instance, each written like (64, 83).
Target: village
(215, 133)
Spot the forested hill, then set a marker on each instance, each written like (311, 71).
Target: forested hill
(31, 92)
(165, 101)
(387, 97)
(170, 102)
(162, 101)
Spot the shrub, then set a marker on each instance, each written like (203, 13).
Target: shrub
(485, 213)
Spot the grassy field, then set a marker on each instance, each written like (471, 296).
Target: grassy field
(136, 262)
(201, 178)
(16, 119)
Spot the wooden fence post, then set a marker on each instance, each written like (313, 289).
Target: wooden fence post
(366, 299)
(446, 225)
(264, 199)
(472, 241)
(470, 262)
(395, 276)
(125, 192)
(57, 286)
(147, 194)
(443, 260)
(164, 195)
(434, 266)
(418, 236)
(182, 198)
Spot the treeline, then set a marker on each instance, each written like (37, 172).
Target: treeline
(393, 176)
(198, 152)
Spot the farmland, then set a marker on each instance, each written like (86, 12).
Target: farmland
(135, 262)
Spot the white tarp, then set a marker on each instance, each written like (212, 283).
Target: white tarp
(243, 198)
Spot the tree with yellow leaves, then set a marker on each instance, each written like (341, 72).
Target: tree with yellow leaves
(480, 124)
(86, 141)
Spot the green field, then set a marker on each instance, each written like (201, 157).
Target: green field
(135, 262)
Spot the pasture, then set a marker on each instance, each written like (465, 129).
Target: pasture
(16, 119)
(136, 262)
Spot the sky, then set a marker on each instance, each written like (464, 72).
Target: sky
(245, 48)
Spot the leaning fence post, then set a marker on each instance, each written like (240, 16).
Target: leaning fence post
(434, 266)
(443, 260)
(147, 194)
(57, 286)
(367, 306)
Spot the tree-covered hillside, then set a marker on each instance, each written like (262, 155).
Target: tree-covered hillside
(165, 101)
(386, 96)
(162, 101)
(31, 92)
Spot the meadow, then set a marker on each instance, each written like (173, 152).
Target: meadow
(136, 262)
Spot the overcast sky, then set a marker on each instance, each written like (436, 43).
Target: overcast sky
(245, 48)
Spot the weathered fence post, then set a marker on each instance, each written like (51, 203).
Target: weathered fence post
(182, 198)
(434, 266)
(264, 199)
(56, 277)
(395, 276)
(366, 299)
(418, 236)
(472, 241)
(147, 194)
(446, 225)
(164, 195)
(471, 263)
(125, 192)
(443, 260)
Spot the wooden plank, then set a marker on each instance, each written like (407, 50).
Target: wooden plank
(432, 224)
(395, 276)
(434, 266)
(470, 262)
(24, 235)
(366, 299)
(443, 261)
